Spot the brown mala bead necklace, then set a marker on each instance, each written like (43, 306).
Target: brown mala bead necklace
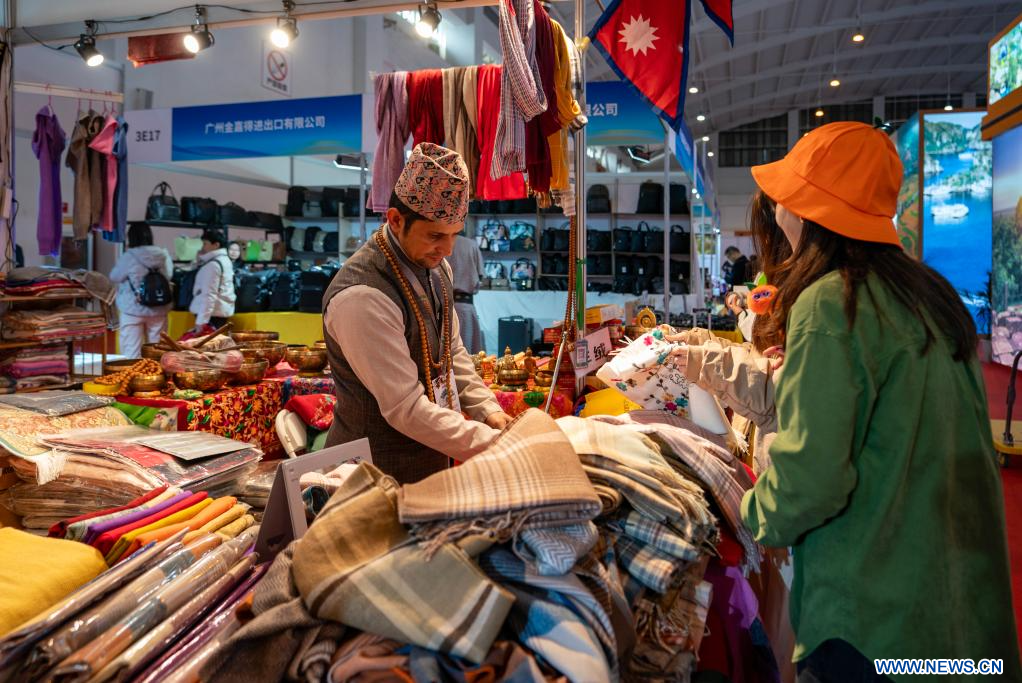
(427, 353)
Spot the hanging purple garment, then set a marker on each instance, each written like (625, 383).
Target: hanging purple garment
(48, 144)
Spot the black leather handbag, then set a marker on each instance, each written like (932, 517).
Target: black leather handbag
(623, 238)
(332, 243)
(651, 198)
(332, 201)
(263, 219)
(310, 237)
(162, 204)
(680, 242)
(295, 200)
(232, 214)
(286, 292)
(527, 205)
(200, 210)
(653, 241)
(598, 199)
(598, 240)
(253, 289)
(639, 238)
(678, 199)
(314, 283)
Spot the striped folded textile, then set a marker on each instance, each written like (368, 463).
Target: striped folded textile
(650, 567)
(357, 565)
(529, 477)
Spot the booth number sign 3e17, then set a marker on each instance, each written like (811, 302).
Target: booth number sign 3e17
(276, 69)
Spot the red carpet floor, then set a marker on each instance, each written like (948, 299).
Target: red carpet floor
(997, 377)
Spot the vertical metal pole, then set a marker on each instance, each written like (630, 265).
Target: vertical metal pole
(362, 197)
(667, 227)
(580, 177)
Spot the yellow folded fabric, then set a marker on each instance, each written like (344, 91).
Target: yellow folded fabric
(217, 523)
(124, 542)
(37, 572)
(233, 529)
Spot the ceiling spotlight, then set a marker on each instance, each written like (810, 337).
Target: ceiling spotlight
(286, 31)
(858, 36)
(693, 90)
(709, 154)
(834, 82)
(199, 38)
(695, 191)
(700, 118)
(429, 20)
(86, 47)
(706, 138)
(819, 113)
(948, 107)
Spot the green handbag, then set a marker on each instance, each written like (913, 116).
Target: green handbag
(253, 250)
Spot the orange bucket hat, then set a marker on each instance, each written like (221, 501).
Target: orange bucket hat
(844, 176)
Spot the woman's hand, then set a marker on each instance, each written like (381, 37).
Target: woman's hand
(679, 358)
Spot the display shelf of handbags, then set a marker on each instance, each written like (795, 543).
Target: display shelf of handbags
(203, 226)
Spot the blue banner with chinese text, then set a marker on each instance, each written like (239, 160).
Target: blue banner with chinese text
(270, 128)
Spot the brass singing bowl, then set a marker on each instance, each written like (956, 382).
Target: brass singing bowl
(307, 360)
(153, 352)
(251, 372)
(321, 344)
(200, 380)
(147, 383)
(544, 378)
(270, 351)
(513, 377)
(245, 336)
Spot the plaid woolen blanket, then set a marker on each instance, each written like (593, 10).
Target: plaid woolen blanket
(652, 568)
(685, 449)
(529, 477)
(357, 565)
(681, 543)
(632, 463)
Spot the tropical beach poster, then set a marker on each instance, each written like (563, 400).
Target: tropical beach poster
(956, 207)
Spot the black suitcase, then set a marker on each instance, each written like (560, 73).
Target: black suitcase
(287, 291)
(514, 331)
(253, 289)
(314, 283)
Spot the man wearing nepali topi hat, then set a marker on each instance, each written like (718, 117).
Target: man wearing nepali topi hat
(401, 372)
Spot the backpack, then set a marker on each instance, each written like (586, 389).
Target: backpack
(598, 200)
(154, 290)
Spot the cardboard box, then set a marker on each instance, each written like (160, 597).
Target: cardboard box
(598, 315)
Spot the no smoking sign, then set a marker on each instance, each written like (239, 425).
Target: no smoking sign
(276, 70)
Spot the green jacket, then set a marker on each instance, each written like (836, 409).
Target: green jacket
(885, 483)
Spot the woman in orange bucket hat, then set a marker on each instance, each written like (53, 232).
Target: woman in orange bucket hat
(883, 477)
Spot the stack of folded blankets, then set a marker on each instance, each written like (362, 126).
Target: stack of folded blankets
(578, 550)
(167, 605)
(42, 283)
(64, 322)
(66, 472)
(29, 368)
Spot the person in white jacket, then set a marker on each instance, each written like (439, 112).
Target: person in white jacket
(139, 323)
(213, 293)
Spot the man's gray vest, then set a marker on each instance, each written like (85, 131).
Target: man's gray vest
(357, 414)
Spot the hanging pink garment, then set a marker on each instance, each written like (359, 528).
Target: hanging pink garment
(104, 144)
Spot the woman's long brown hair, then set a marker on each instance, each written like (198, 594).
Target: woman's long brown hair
(921, 290)
(773, 250)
